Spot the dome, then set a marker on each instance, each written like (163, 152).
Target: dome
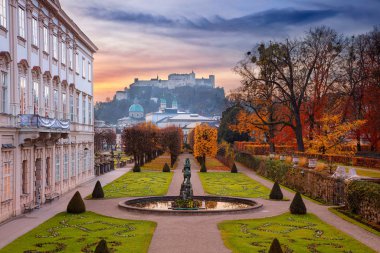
(136, 108)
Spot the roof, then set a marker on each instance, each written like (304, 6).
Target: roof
(136, 108)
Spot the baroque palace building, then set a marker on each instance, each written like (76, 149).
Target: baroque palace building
(46, 104)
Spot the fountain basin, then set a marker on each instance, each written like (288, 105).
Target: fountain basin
(208, 205)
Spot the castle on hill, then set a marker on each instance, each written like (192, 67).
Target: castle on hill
(173, 81)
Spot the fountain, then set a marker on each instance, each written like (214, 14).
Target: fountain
(186, 203)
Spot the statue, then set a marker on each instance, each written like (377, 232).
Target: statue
(186, 187)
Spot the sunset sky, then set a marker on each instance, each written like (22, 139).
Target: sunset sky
(146, 38)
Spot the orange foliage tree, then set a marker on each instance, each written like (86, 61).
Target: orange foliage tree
(205, 141)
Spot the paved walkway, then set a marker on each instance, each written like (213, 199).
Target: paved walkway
(24, 223)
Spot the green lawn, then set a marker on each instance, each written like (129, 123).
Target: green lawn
(139, 184)
(232, 184)
(81, 233)
(296, 233)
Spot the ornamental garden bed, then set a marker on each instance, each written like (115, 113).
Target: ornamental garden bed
(232, 184)
(296, 233)
(139, 184)
(82, 232)
(158, 163)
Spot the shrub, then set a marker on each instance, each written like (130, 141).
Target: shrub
(102, 247)
(276, 192)
(166, 168)
(203, 167)
(303, 162)
(76, 204)
(363, 194)
(234, 168)
(136, 168)
(98, 192)
(275, 247)
(297, 206)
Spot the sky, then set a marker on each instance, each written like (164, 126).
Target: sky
(149, 38)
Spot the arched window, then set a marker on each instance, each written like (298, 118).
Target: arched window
(22, 87)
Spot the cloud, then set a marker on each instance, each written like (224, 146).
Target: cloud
(247, 23)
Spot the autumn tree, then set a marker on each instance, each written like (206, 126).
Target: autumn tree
(205, 141)
(333, 134)
(104, 137)
(225, 133)
(171, 140)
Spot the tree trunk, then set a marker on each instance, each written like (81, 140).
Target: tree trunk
(272, 147)
(358, 145)
(298, 131)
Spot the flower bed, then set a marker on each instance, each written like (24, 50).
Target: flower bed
(158, 163)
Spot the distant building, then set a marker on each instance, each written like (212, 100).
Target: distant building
(136, 116)
(174, 81)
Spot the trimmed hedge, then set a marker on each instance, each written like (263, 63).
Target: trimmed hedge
(166, 168)
(76, 204)
(136, 168)
(98, 192)
(276, 192)
(297, 206)
(275, 247)
(234, 169)
(102, 247)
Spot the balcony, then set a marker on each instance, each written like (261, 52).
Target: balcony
(37, 122)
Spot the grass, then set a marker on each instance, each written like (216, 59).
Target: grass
(232, 184)
(138, 185)
(342, 215)
(296, 233)
(214, 164)
(81, 233)
(158, 163)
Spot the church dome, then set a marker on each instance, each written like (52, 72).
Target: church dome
(136, 108)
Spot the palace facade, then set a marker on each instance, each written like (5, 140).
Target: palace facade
(46, 104)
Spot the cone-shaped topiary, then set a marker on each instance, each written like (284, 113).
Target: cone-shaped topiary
(297, 206)
(166, 168)
(275, 247)
(276, 192)
(76, 204)
(102, 247)
(136, 168)
(98, 192)
(234, 168)
(203, 167)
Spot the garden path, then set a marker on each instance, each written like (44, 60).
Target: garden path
(323, 213)
(22, 224)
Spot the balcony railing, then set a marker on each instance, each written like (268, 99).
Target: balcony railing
(36, 121)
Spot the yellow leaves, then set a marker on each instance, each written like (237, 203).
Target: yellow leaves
(205, 141)
(249, 123)
(333, 134)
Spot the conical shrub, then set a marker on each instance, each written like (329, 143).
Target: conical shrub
(102, 247)
(76, 204)
(276, 192)
(234, 168)
(203, 167)
(297, 206)
(275, 247)
(166, 168)
(136, 168)
(98, 192)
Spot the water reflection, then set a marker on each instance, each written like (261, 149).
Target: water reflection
(205, 205)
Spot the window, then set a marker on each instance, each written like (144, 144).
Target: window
(71, 108)
(22, 90)
(89, 112)
(89, 71)
(83, 68)
(77, 63)
(7, 157)
(24, 177)
(35, 97)
(3, 90)
(64, 105)
(65, 166)
(71, 64)
(63, 52)
(56, 103)
(46, 98)
(84, 110)
(72, 161)
(21, 22)
(77, 109)
(3, 14)
(55, 47)
(46, 39)
(35, 31)
(48, 174)
(57, 166)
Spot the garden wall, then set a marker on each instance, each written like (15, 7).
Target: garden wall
(361, 197)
